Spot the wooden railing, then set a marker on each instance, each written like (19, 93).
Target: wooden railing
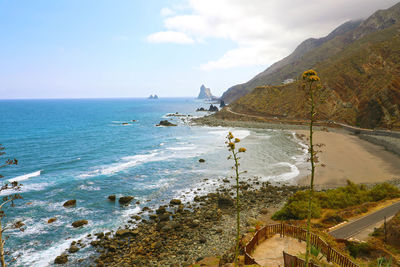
(299, 233)
(293, 261)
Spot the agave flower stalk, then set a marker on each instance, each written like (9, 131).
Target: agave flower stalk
(231, 144)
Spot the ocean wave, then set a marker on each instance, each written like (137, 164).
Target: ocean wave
(241, 134)
(25, 188)
(89, 188)
(286, 176)
(25, 176)
(45, 257)
(129, 162)
(180, 148)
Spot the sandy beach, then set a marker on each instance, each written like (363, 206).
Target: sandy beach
(347, 157)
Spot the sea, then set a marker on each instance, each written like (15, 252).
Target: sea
(88, 149)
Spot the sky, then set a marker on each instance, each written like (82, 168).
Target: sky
(134, 48)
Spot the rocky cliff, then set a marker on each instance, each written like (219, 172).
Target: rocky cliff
(205, 93)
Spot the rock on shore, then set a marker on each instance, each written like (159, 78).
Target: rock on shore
(183, 233)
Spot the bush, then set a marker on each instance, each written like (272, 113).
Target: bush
(338, 198)
(332, 218)
(359, 249)
(384, 191)
(297, 208)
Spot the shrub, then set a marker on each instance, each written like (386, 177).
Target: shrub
(359, 249)
(297, 208)
(384, 191)
(332, 218)
(338, 198)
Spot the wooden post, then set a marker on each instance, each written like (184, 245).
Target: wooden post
(328, 257)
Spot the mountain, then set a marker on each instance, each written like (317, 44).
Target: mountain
(359, 66)
(205, 93)
(313, 51)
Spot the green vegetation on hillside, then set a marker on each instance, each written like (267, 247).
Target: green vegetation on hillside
(338, 198)
(360, 68)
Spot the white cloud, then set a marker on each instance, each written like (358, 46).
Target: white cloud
(170, 37)
(167, 11)
(264, 31)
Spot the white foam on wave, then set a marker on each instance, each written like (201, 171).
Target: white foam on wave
(25, 176)
(24, 189)
(128, 162)
(180, 148)
(89, 188)
(286, 176)
(241, 134)
(32, 228)
(129, 212)
(33, 257)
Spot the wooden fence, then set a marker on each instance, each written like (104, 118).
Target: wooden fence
(299, 233)
(293, 261)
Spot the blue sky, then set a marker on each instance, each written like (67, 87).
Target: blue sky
(134, 48)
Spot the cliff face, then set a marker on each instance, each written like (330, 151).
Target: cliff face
(314, 51)
(205, 93)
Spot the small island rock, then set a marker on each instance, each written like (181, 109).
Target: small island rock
(125, 200)
(79, 223)
(166, 123)
(70, 203)
(51, 220)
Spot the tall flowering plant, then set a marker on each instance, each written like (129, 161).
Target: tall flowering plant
(231, 144)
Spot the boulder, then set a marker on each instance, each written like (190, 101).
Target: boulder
(51, 220)
(125, 200)
(161, 210)
(163, 217)
(224, 202)
(126, 232)
(70, 203)
(79, 223)
(175, 202)
(166, 123)
(62, 259)
(264, 211)
(111, 197)
(73, 249)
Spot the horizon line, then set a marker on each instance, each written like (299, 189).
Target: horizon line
(77, 98)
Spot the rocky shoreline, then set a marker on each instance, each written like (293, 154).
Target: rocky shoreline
(180, 234)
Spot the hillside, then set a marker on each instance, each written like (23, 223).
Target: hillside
(314, 51)
(361, 84)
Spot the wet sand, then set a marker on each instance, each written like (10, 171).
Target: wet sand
(347, 157)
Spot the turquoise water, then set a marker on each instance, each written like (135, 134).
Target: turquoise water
(79, 149)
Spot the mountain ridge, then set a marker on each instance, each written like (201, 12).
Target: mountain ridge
(311, 51)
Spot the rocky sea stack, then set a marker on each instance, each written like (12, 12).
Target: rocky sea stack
(205, 93)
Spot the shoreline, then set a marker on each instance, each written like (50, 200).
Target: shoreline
(345, 156)
(180, 234)
(185, 233)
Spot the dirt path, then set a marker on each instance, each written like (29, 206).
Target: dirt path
(269, 253)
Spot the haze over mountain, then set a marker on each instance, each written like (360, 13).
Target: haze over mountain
(359, 65)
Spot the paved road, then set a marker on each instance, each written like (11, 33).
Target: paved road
(350, 229)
